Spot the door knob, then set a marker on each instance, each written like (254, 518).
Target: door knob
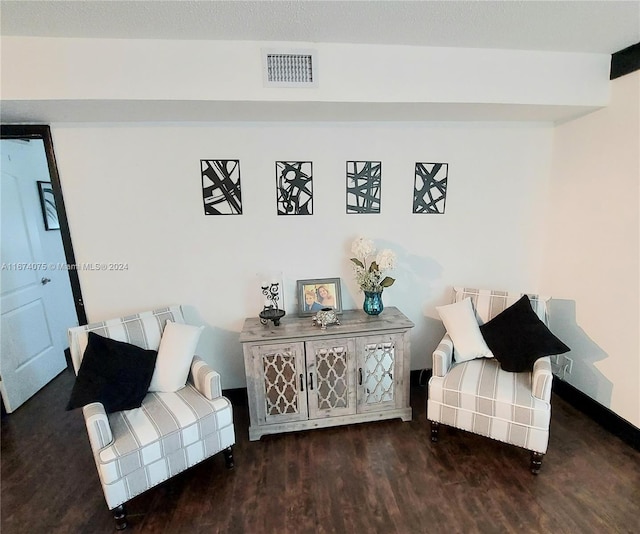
(45, 281)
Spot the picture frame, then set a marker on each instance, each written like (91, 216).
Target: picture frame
(312, 288)
(48, 205)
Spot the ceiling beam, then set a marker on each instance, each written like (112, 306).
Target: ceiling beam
(625, 61)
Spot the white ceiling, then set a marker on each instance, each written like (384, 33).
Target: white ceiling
(574, 26)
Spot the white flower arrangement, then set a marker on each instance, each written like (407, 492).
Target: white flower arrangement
(372, 278)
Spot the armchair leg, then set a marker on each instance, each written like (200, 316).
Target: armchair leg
(228, 457)
(435, 428)
(536, 462)
(120, 516)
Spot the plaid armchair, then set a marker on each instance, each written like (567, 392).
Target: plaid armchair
(479, 397)
(135, 450)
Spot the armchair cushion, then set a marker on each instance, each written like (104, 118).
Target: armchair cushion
(177, 348)
(479, 397)
(462, 326)
(114, 373)
(167, 434)
(517, 337)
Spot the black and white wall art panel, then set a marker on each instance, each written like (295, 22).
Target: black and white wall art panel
(364, 180)
(430, 187)
(221, 186)
(294, 187)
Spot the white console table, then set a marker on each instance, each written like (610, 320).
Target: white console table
(300, 376)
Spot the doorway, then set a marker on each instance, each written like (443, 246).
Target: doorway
(40, 296)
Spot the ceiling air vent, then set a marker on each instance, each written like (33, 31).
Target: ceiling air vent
(289, 68)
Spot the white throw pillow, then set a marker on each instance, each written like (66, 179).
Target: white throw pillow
(462, 326)
(176, 351)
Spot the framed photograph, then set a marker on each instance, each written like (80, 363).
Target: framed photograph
(48, 205)
(318, 293)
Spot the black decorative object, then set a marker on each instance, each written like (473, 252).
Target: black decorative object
(270, 311)
(48, 205)
(294, 187)
(221, 186)
(363, 186)
(430, 187)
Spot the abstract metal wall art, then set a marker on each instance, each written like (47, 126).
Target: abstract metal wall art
(430, 187)
(48, 205)
(294, 187)
(221, 186)
(363, 186)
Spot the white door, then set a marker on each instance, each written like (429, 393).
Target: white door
(32, 353)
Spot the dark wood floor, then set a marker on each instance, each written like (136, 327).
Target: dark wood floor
(384, 477)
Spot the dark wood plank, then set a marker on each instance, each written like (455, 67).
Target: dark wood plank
(373, 477)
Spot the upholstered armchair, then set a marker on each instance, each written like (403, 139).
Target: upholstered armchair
(137, 449)
(471, 390)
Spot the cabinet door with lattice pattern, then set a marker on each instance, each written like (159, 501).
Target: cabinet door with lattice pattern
(379, 372)
(280, 381)
(331, 378)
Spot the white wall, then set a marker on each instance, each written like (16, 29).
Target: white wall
(133, 195)
(592, 251)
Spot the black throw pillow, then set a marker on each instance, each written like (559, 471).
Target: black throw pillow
(115, 373)
(517, 337)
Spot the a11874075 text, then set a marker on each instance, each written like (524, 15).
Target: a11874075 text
(85, 266)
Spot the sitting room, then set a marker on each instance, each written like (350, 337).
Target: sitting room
(318, 227)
